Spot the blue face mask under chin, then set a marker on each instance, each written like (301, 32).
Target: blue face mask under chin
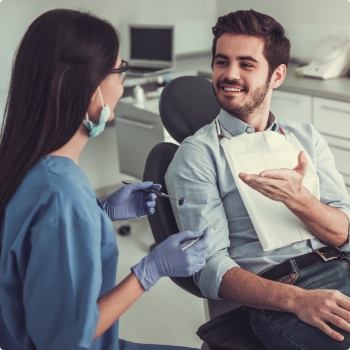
(97, 129)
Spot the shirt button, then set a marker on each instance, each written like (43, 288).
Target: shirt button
(249, 130)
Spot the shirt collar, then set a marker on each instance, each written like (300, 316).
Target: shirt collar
(237, 127)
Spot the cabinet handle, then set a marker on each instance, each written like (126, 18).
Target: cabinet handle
(335, 109)
(133, 123)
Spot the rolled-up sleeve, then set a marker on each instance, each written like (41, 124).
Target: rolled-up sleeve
(61, 307)
(192, 174)
(332, 187)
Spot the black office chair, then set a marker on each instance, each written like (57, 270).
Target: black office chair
(187, 104)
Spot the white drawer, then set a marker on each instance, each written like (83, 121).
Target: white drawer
(292, 106)
(332, 117)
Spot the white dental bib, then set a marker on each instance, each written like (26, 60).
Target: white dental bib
(275, 225)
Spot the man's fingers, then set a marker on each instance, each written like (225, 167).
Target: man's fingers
(276, 173)
(302, 163)
(256, 178)
(344, 303)
(258, 181)
(339, 322)
(329, 331)
(338, 316)
(264, 188)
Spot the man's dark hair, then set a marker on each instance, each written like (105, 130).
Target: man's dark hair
(252, 23)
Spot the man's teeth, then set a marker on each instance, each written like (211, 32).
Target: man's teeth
(232, 89)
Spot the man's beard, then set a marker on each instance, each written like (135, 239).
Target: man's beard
(244, 110)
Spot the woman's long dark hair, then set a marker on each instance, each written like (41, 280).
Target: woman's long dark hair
(61, 60)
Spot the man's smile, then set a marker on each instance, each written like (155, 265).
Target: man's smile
(232, 89)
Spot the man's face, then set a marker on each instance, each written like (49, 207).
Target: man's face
(240, 74)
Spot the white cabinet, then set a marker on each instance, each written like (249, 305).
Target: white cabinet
(291, 106)
(139, 129)
(332, 119)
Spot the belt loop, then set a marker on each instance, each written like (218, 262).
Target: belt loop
(294, 266)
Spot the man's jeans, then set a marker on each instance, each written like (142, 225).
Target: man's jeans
(282, 330)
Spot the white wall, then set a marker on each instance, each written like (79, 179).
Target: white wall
(187, 16)
(305, 21)
(193, 20)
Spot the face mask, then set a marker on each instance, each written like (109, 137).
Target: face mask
(96, 129)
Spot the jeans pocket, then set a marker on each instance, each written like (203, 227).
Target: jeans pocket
(290, 278)
(266, 315)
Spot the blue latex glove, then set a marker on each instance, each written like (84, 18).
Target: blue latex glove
(131, 201)
(167, 258)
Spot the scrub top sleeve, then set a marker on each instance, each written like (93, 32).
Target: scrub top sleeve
(62, 284)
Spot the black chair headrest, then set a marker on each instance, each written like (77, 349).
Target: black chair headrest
(187, 104)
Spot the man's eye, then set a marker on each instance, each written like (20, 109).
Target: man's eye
(247, 65)
(221, 63)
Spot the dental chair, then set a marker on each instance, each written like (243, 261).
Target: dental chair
(186, 104)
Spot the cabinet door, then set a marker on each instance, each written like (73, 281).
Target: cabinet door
(332, 117)
(291, 106)
(138, 131)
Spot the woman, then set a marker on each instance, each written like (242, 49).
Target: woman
(58, 255)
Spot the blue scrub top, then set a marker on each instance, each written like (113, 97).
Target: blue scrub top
(58, 256)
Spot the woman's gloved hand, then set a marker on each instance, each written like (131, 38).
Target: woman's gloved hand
(167, 258)
(131, 201)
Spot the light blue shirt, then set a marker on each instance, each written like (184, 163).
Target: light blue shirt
(58, 256)
(200, 173)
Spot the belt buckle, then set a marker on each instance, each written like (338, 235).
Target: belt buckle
(324, 258)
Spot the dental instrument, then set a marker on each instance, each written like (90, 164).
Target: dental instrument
(197, 239)
(159, 194)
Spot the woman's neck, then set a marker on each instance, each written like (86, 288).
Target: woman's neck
(74, 147)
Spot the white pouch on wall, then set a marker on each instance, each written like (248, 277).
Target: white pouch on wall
(275, 225)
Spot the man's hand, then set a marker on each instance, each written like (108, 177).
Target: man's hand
(321, 306)
(317, 307)
(329, 224)
(281, 185)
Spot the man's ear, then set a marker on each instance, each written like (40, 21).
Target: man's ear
(278, 76)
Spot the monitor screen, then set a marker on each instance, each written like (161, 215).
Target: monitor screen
(151, 44)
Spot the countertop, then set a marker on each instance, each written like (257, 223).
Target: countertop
(336, 89)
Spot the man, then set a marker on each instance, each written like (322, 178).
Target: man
(299, 301)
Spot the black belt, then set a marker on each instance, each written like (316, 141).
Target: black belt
(318, 255)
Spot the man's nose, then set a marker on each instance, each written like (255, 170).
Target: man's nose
(233, 72)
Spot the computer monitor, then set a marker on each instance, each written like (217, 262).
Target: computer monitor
(151, 46)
